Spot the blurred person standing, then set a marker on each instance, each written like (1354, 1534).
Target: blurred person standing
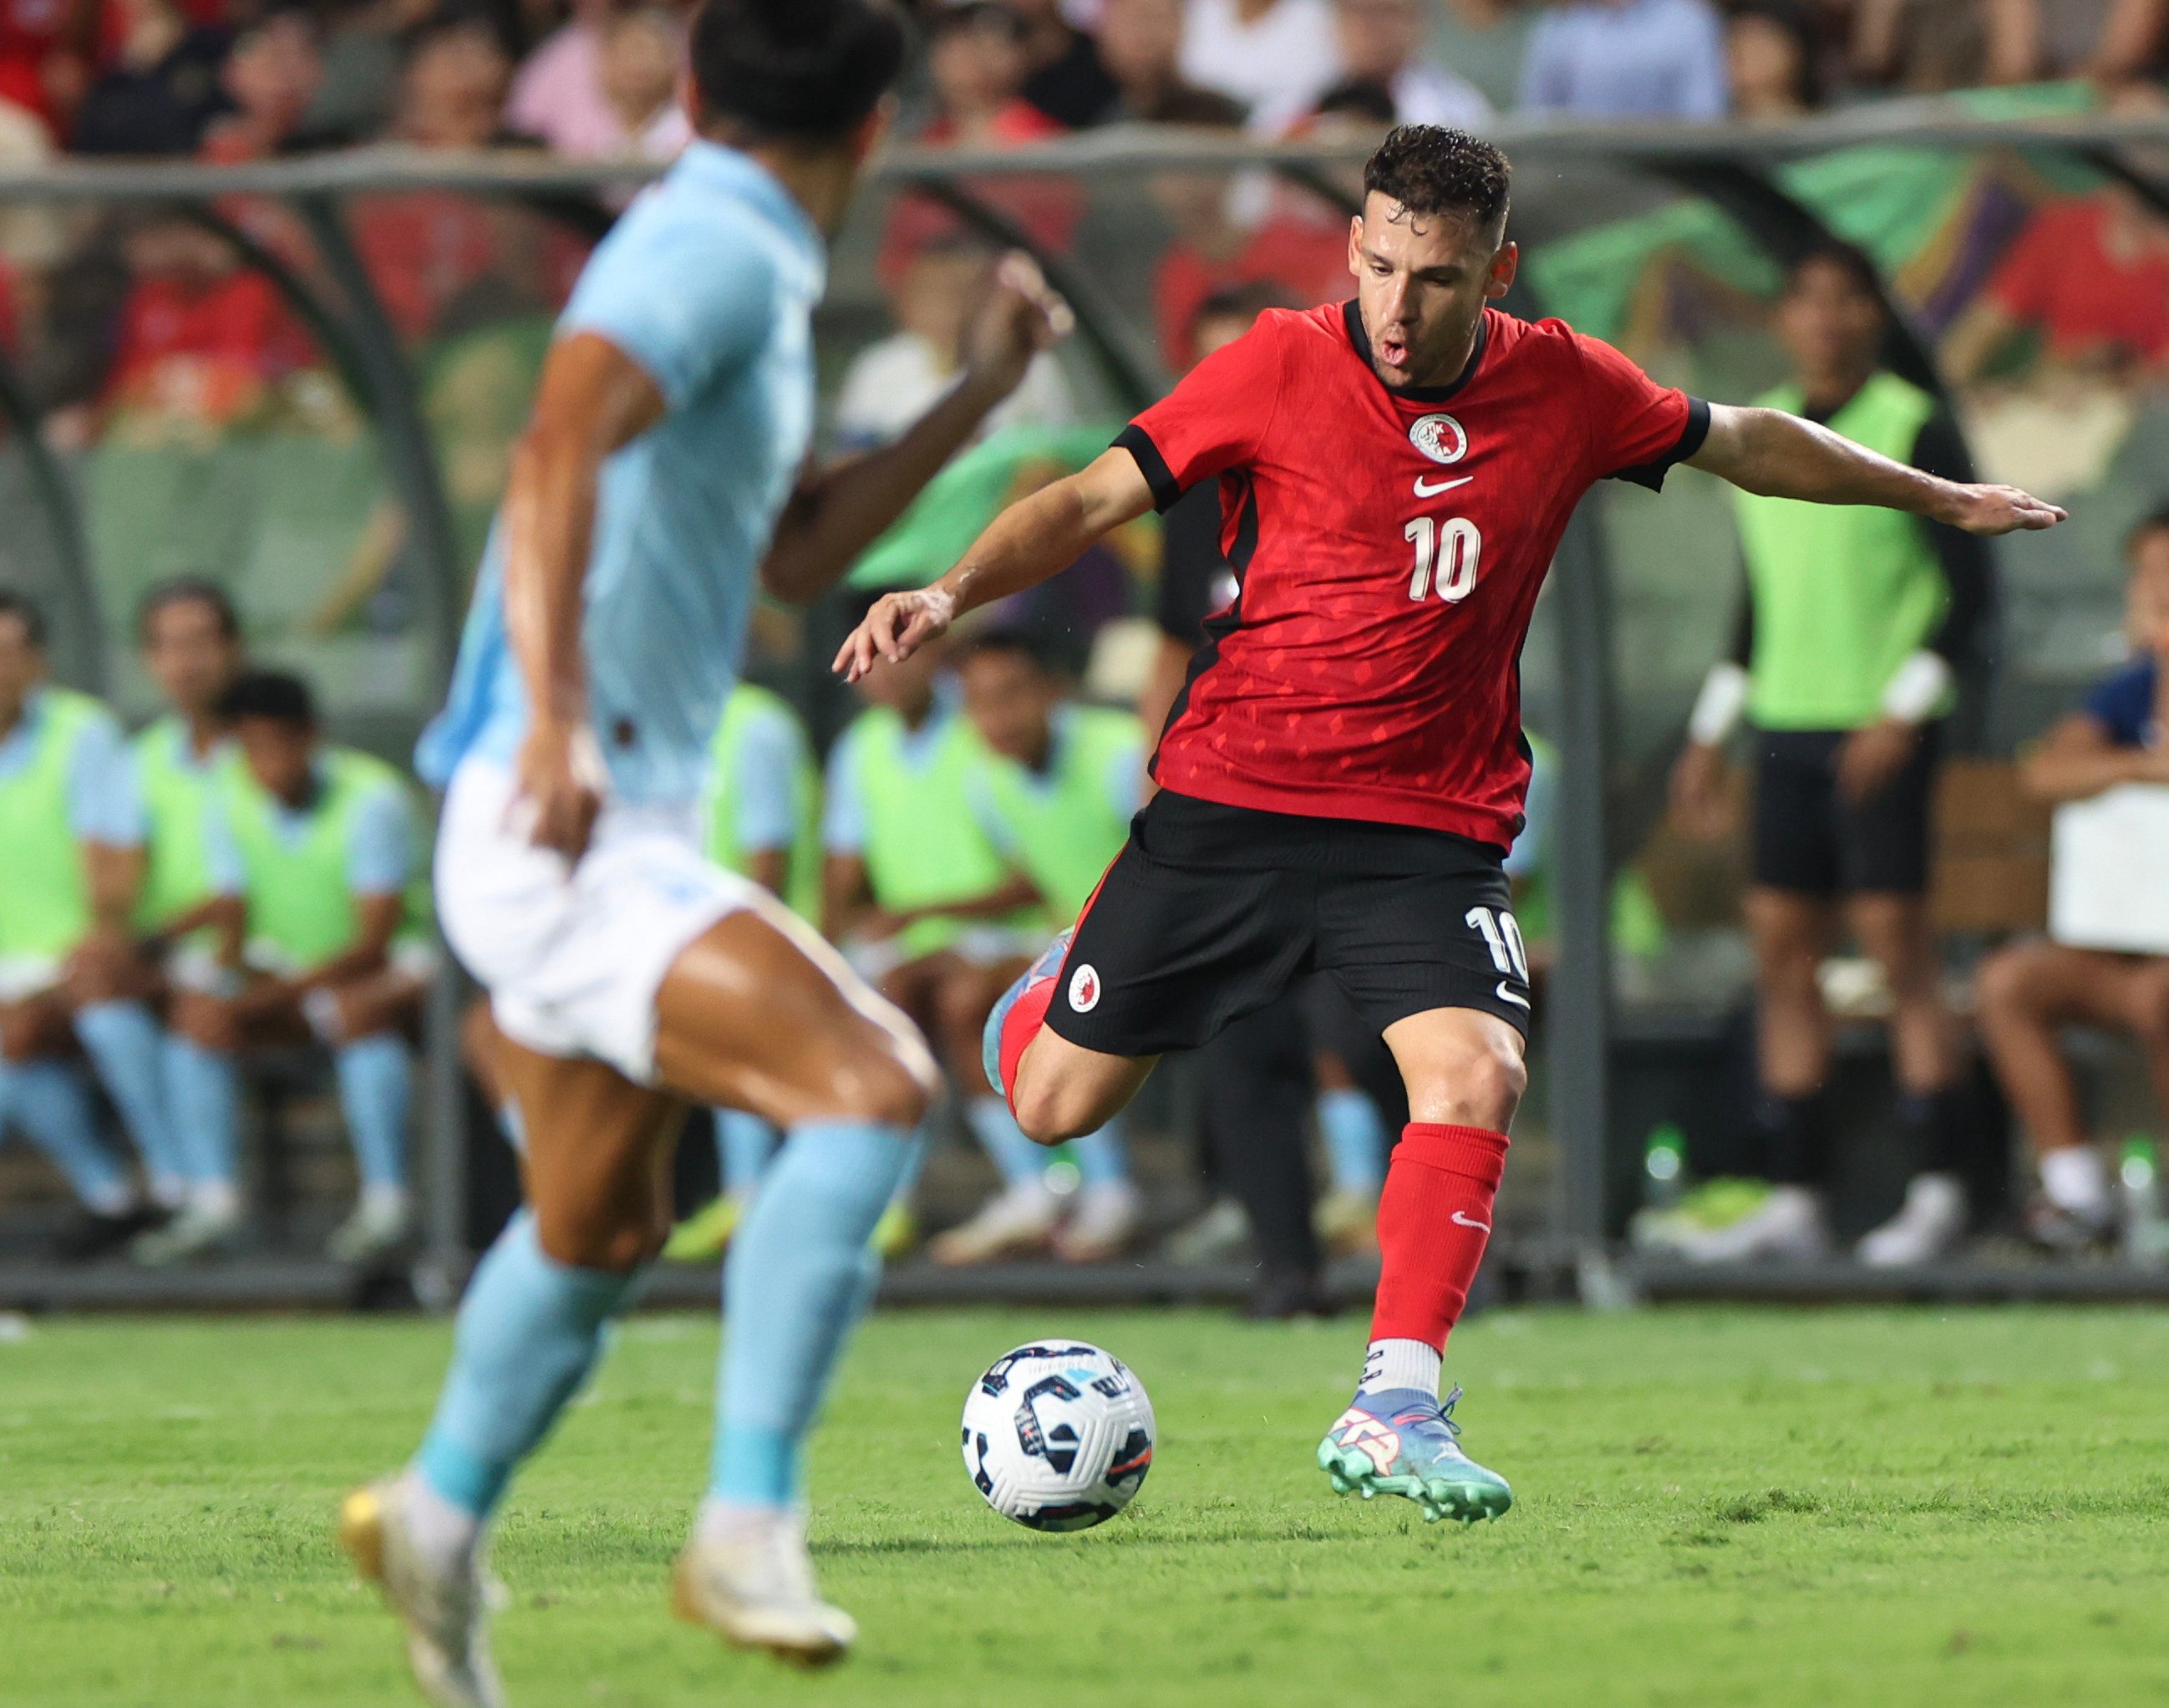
(1275, 57)
(2030, 991)
(762, 811)
(557, 97)
(1928, 47)
(161, 88)
(1065, 78)
(922, 904)
(71, 851)
(191, 636)
(315, 851)
(1053, 793)
(1846, 662)
(1484, 41)
(1626, 59)
(1140, 45)
(1772, 61)
(1381, 43)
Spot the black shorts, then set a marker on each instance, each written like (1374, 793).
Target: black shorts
(1809, 839)
(1211, 912)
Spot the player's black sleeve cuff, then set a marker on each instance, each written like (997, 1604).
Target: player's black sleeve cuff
(1165, 487)
(1652, 474)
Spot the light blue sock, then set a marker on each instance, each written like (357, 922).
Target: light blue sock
(50, 1103)
(529, 1331)
(375, 1084)
(922, 1141)
(203, 1092)
(124, 1044)
(1355, 1140)
(1103, 1158)
(743, 1144)
(1019, 1160)
(798, 1276)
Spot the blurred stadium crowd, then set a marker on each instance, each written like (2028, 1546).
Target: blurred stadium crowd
(228, 894)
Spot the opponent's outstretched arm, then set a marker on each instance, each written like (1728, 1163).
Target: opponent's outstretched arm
(837, 512)
(1032, 540)
(1781, 456)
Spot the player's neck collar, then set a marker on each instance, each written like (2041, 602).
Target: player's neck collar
(1352, 317)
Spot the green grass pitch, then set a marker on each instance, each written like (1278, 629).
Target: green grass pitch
(1723, 1507)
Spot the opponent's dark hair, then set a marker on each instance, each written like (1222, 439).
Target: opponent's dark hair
(797, 69)
(279, 696)
(27, 611)
(187, 590)
(2154, 521)
(1858, 265)
(1433, 169)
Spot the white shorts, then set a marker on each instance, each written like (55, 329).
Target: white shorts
(572, 957)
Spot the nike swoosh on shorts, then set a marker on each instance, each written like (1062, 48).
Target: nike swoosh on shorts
(1426, 490)
(1505, 995)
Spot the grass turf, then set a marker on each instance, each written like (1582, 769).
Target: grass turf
(1733, 1507)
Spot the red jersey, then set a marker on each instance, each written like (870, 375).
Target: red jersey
(1387, 547)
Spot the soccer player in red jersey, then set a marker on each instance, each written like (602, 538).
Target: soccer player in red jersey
(1344, 773)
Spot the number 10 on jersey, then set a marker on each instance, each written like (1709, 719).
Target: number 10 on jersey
(1447, 554)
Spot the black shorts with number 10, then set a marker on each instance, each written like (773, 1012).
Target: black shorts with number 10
(1211, 912)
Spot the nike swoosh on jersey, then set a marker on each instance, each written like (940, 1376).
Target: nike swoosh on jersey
(1425, 488)
(1470, 1221)
(1506, 996)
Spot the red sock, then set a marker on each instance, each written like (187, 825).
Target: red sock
(1020, 1026)
(1434, 1218)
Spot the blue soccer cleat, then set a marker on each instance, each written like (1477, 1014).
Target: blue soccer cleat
(1045, 969)
(1404, 1441)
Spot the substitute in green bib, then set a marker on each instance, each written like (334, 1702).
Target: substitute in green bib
(1053, 790)
(71, 858)
(1855, 624)
(328, 922)
(912, 891)
(762, 816)
(190, 637)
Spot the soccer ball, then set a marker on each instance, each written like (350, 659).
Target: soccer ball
(1057, 1435)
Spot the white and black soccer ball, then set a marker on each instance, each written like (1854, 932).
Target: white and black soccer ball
(1057, 1435)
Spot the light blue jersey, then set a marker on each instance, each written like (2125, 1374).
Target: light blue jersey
(105, 804)
(709, 282)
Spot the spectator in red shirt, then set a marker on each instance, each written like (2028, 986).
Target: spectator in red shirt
(199, 340)
(975, 56)
(1299, 253)
(2089, 277)
(425, 247)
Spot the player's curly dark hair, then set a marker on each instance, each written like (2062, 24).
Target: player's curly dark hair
(1431, 169)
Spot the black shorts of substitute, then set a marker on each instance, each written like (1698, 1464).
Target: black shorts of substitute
(1211, 912)
(1809, 839)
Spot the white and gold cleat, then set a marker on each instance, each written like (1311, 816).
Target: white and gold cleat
(446, 1614)
(756, 1591)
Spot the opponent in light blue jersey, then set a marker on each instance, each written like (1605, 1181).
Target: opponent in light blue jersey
(651, 495)
(684, 512)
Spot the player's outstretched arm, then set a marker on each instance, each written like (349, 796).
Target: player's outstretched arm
(1781, 456)
(837, 513)
(1033, 539)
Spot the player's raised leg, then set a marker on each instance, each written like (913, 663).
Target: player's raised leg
(1465, 1076)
